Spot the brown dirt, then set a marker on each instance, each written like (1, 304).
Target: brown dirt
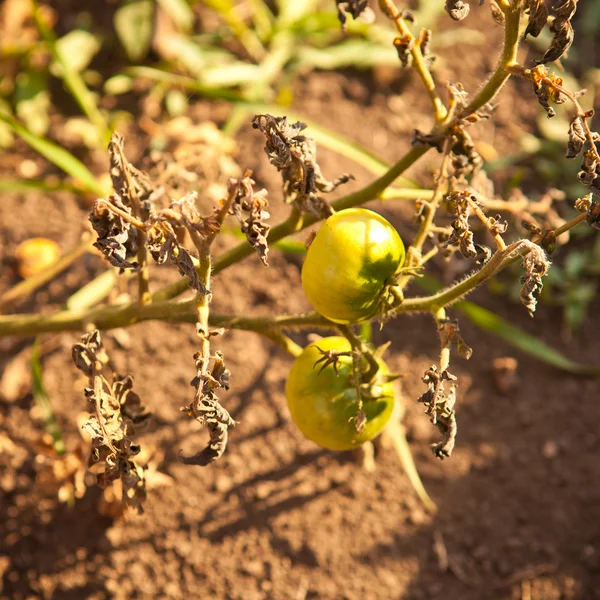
(277, 517)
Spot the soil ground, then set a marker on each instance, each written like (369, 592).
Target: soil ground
(277, 517)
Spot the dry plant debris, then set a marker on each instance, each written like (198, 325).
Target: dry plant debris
(294, 155)
(117, 413)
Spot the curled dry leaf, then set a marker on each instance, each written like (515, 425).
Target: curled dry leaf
(497, 13)
(459, 203)
(116, 237)
(457, 9)
(564, 11)
(547, 88)
(295, 156)
(403, 45)
(538, 17)
(439, 405)
(132, 186)
(450, 334)
(249, 209)
(206, 408)
(116, 414)
(354, 8)
(536, 265)
(162, 242)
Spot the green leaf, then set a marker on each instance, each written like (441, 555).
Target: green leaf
(358, 53)
(6, 134)
(187, 83)
(230, 75)
(25, 185)
(176, 102)
(119, 84)
(72, 79)
(93, 292)
(180, 12)
(42, 400)
(32, 101)
(76, 50)
(55, 154)
(134, 24)
(513, 335)
(290, 12)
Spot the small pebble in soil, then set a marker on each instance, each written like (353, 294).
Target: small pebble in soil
(550, 449)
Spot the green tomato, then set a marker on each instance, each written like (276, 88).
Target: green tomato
(323, 405)
(353, 256)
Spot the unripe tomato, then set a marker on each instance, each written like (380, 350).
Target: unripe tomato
(36, 254)
(323, 405)
(352, 258)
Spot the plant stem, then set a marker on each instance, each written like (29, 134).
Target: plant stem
(289, 226)
(125, 315)
(440, 316)
(375, 188)
(418, 60)
(122, 315)
(486, 223)
(359, 346)
(507, 59)
(285, 342)
(499, 261)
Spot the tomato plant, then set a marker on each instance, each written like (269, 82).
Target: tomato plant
(174, 212)
(323, 404)
(353, 257)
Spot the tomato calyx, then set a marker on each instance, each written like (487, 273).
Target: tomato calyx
(330, 357)
(366, 377)
(392, 294)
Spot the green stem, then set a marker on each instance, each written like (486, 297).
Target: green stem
(125, 315)
(285, 342)
(499, 261)
(360, 347)
(110, 317)
(508, 57)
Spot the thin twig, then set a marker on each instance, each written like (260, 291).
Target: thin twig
(486, 222)
(419, 62)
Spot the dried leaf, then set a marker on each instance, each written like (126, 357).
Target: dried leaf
(249, 209)
(116, 237)
(457, 9)
(206, 408)
(354, 8)
(536, 266)
(538, 17)
(295, 156)
(116, 413)
(562, 29)
(440, 408)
